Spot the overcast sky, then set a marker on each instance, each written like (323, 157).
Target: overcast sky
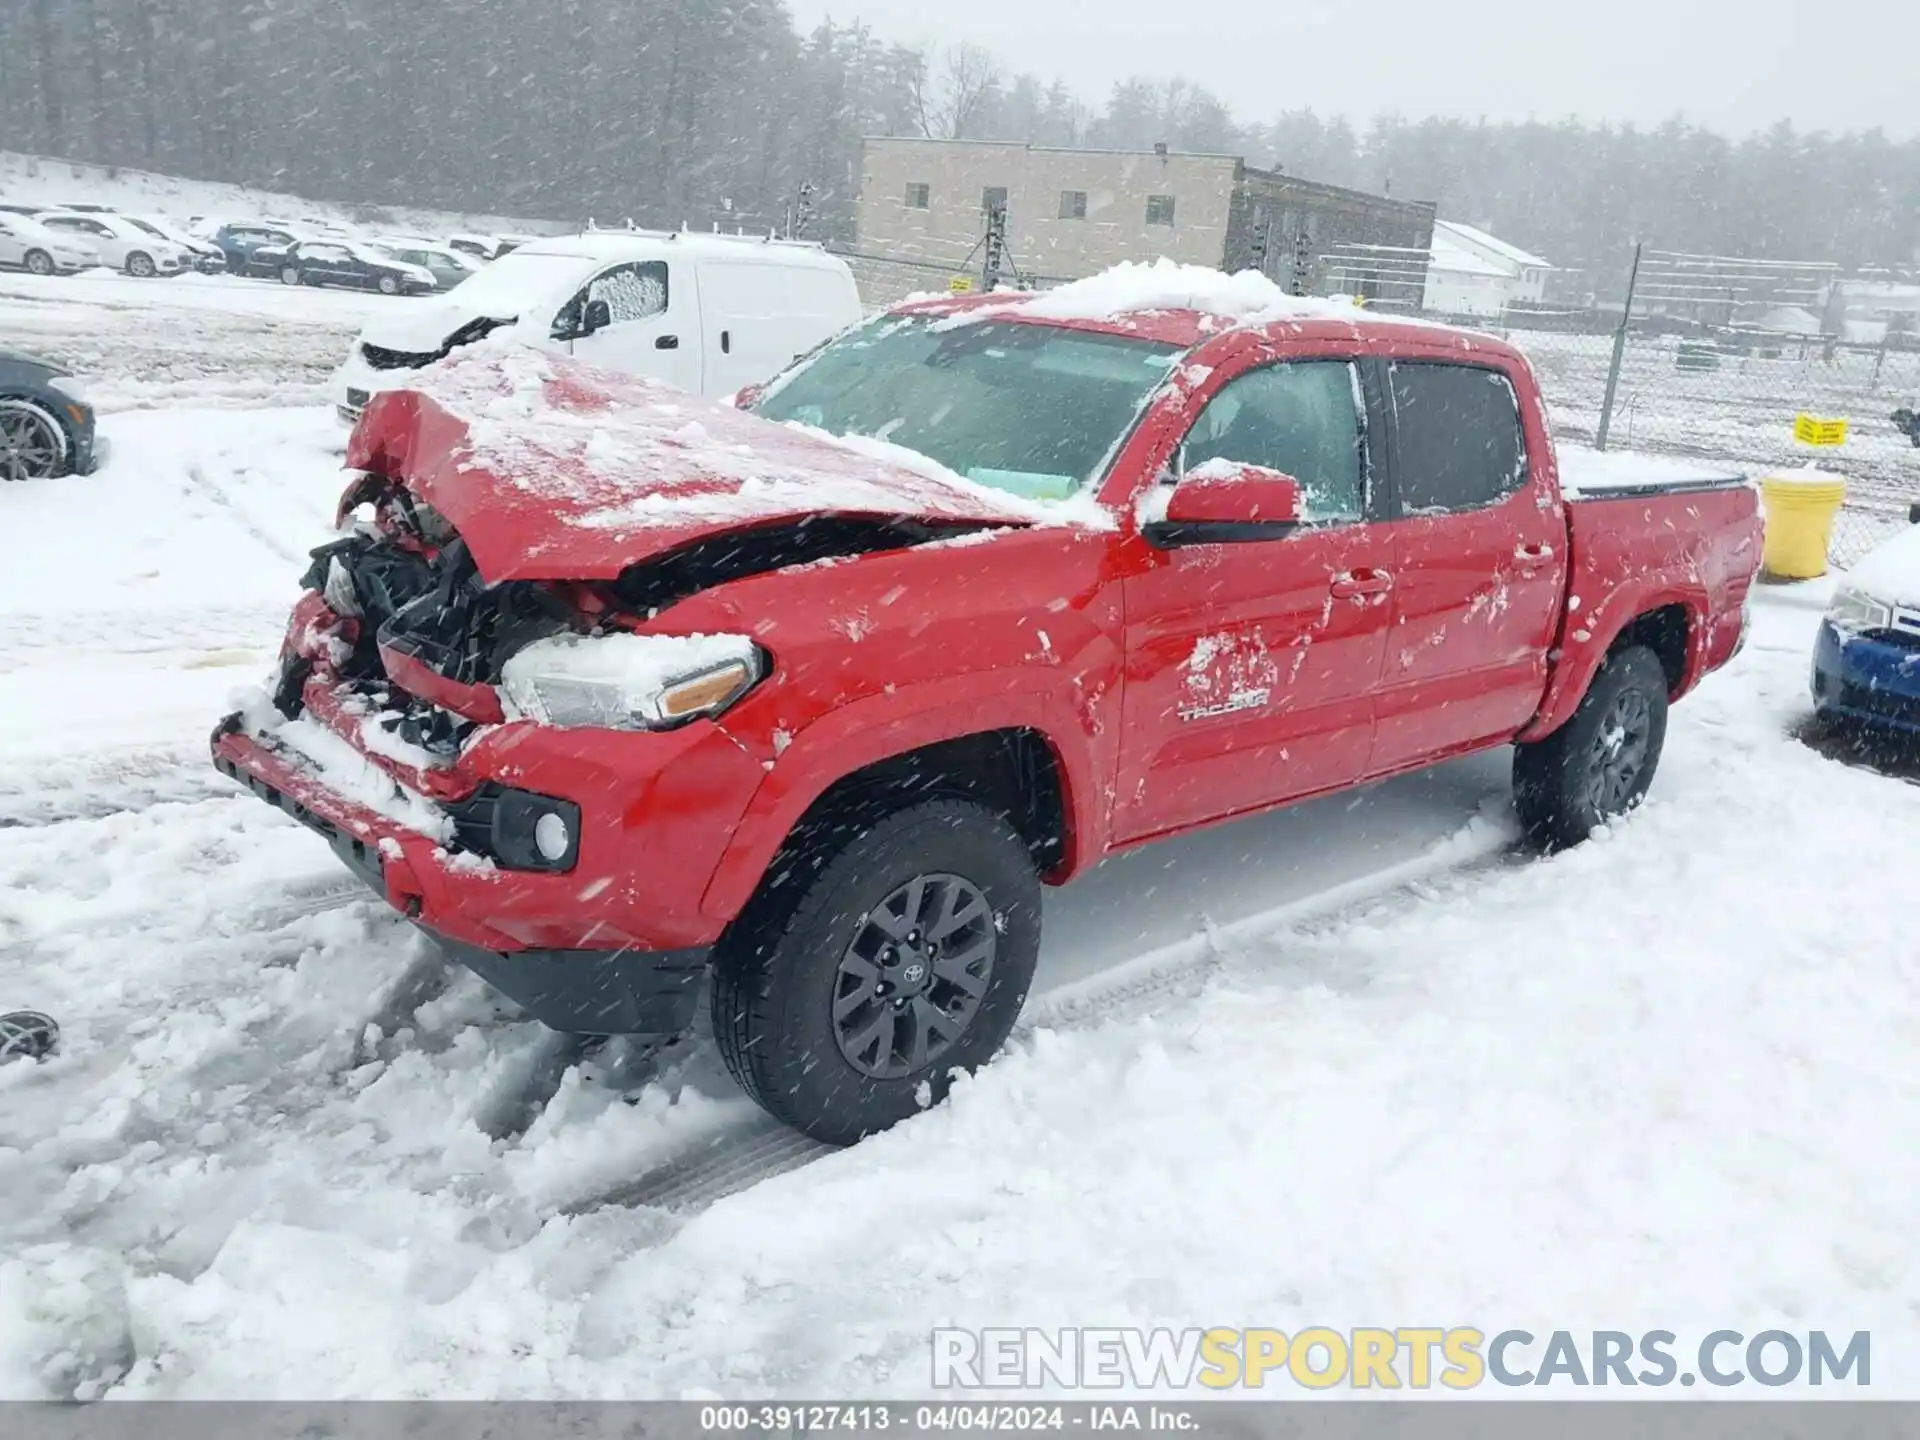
(1734, 65)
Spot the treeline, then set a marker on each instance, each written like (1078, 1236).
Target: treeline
(704, 111)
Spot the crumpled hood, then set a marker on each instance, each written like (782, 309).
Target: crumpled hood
(554, 470)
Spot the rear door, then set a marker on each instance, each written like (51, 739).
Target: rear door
(1479, 560)
(1251, 666)
(13, 250)
(653, 324)
(755, 315)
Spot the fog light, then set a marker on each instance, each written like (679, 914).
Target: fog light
(550, 837)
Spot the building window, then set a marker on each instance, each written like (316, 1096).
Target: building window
(1073, 204)
(1160, 209)
(993, 198)
(919, 195)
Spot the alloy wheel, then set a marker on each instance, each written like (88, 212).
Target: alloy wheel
(913, 976)
(1619, 752)
(31, 445)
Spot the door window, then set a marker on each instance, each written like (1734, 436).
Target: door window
(635, 291)
(1298, 418)
(1458, 442)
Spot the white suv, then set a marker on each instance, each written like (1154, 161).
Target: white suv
(122, 244)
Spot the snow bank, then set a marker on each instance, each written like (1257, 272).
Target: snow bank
(1891, 571)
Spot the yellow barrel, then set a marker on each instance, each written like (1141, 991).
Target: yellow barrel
(1800, 505)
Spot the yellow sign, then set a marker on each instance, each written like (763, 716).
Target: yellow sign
(960, 284)
(1815, 430)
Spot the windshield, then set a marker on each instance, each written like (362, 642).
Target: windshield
(1030, 409)
(502, 288)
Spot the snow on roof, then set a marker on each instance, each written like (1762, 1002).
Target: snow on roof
(649, 244)
(1470, 237)
(1890, 571)
(1247, 298)
(1454, 260)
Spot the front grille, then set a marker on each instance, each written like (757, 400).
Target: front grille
(1898, 639)
(381, 358)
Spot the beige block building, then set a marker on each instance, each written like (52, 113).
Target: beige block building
(1074, 212)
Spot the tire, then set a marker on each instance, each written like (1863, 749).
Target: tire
(388, 285)
(39, 262)
(34, 445)
(289, 276)
(28, 1035)
(1598, 765)
(784, 968)
(140, 265)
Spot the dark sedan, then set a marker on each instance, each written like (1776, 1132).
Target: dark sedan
(357, 267)
(251, 248)
(46, 421)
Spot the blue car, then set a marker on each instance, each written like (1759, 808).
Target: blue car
(1866, 662)
(46, 421)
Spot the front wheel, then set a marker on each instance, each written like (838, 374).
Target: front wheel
(1598, 765)
(140, 265)
(905, 959)
(33, 445)
(289, 276)
(389, 285)
(39, 262)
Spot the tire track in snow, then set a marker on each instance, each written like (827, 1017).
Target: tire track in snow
(712, 1168)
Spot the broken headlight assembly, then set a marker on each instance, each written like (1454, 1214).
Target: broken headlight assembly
(622, 681)
(1855, 612)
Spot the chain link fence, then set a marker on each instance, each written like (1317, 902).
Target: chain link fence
(1711, 357)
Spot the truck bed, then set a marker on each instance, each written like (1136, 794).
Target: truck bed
(1623, 474)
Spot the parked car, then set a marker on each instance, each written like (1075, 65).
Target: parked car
(26, 244)
(649, 686)
(708, 312)
(447, 266)
(353, 266)
(1866, 658)
(251, 247)
(207, 257)
(13, 209)
(120, 243)
(46, 421)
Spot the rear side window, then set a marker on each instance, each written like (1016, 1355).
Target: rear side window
(1458, 440)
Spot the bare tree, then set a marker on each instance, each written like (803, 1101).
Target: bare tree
(954, 90)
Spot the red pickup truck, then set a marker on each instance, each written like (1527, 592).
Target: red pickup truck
(609, 688)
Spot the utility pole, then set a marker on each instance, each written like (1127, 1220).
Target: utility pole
(1619, 353)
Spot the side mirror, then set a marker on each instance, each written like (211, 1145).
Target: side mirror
(748, 396)
(1913, 513)
(1224, 501)
(597, 315)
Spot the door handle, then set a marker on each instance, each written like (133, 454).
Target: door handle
(726, 342)
(1349, 584)
(667, 342)
(1533, 556)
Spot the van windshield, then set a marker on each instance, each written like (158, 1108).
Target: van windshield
(1030, 409)
(500, 289)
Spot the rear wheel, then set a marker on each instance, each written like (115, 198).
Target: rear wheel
(33, 446)
(907, 958)
(140, 265)
(39, 262)
(1599, 764)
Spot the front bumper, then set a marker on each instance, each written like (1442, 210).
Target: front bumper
(1873, 681)
(620, 989)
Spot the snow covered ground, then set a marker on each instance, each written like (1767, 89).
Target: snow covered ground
(1356, 1063)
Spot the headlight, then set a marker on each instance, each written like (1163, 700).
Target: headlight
(628, 682)
(1856, 611)
(75, 390)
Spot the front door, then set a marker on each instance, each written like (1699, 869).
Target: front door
(1479, 561)
(652, 324)
(1251, 666)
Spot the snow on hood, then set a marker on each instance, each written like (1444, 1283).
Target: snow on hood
(551, 469)
(1891, 570)
(1136, 287)
(422, 327)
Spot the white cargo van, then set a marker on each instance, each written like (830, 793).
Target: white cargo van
(709, 313)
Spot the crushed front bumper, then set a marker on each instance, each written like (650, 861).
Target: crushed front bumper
(1873, 681)
(588, 991)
